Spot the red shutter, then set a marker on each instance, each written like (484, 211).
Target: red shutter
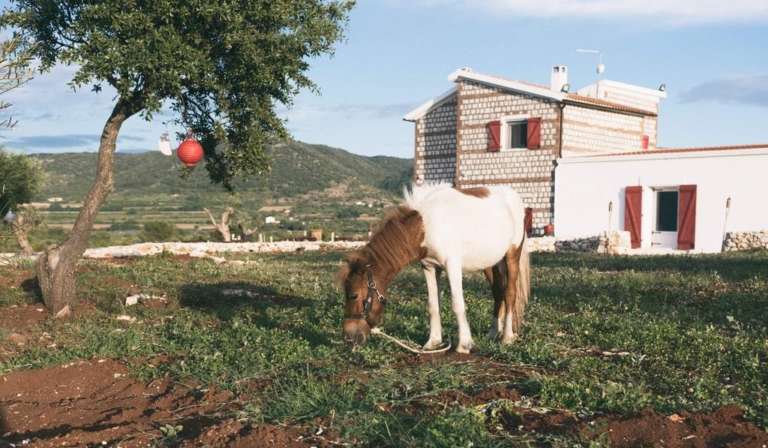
(528, 221)
(494, 136)
(645, 141)
(534, 133)
(686, 217)
(633, 206)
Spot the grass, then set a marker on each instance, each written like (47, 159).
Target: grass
(682, 333)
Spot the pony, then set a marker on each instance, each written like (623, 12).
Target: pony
(448, 229)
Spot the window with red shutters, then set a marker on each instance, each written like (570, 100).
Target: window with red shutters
(686, 217)
(534, 133)
(494, 135)
(632, 213)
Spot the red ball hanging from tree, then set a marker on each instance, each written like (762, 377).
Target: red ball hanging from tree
(190, 151)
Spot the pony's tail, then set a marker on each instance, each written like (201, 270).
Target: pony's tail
(523, 287)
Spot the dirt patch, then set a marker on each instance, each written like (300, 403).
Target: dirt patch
(90, 403)
(724, 427)
(21, 318)
(544, 421)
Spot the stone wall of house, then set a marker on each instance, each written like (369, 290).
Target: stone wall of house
(593, 131)
(530, 172)
(745, 241)
(435, 156)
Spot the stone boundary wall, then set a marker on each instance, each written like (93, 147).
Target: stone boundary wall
(612, 243)
(745, 240)
(209, 249)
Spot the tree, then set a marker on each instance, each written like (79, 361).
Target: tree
(221, 66)
(14, 72)
(20, 179)
(223, 226)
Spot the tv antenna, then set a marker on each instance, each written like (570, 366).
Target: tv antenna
(600, 69)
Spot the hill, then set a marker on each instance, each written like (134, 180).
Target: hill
(297, 168)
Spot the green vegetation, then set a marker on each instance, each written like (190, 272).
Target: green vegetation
(297, 169)
(604, 335)
(158, 231)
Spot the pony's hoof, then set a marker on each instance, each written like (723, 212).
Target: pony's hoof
(506, 340)
(465, 348)
(432, 344)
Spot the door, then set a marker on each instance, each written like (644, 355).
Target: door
(633, 206)
(665, 225)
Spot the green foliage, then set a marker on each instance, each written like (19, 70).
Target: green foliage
(348, 212)
(221, 66)
(158, 231)
(128, 225)
(20, 179)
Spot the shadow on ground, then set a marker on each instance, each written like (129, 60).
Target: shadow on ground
(270, 308)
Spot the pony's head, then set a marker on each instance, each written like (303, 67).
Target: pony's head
(363, 297)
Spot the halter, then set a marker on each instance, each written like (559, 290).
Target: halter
(373, 293)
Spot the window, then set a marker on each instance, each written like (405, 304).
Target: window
(518, 134)
(666, 211)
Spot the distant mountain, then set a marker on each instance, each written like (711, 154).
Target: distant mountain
(297, 168)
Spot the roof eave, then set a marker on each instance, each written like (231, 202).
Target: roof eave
(624, 110)
(506, 84)
(424, 108)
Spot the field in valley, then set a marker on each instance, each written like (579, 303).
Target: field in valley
(617, 351)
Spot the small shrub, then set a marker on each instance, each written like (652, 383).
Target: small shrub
(158, 231)
(348, 213)
(125, 225)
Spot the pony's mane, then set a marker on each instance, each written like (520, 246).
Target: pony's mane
(395, 242)
(414, 196)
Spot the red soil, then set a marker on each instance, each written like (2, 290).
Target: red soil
(89, 403)
(724, 427)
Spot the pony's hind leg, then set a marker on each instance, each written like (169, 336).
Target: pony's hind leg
(432, 273)
(497, 278)
(512, 262)
(457, 301)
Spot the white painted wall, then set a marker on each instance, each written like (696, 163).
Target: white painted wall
(585, 185)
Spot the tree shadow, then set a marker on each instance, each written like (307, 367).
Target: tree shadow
(32, 288)
(731, 267)
(226, 300)
(693, 296)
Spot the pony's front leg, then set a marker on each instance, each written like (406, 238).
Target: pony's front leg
(431, 273)
(457, 297)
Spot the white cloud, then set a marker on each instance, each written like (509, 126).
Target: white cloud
(672, 11)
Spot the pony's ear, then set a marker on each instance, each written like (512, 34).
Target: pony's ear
(353, 262)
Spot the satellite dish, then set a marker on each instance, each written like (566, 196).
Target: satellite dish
(164, 145)
(600, 69)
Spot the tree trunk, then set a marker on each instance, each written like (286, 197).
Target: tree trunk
(20, 229)
(223, 227)
(57, 264)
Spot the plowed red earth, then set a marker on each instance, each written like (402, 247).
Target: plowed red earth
(96, 403)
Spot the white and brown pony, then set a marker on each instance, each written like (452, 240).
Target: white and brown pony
(445, 229)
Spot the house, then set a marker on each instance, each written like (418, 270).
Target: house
(587, 161)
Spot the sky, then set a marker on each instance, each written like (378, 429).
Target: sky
(398, 53)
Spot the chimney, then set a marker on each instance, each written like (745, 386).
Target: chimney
(559, 77)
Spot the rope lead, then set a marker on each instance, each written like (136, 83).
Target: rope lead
(409, 347)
